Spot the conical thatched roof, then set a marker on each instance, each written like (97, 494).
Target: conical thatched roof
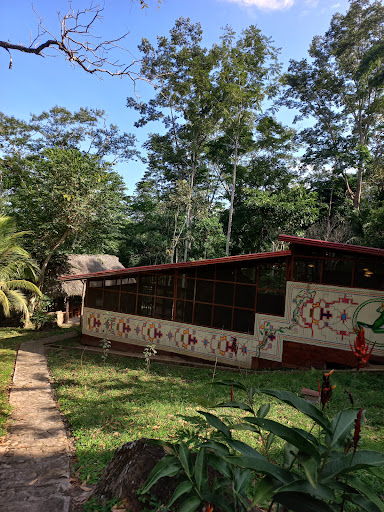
(85, 264)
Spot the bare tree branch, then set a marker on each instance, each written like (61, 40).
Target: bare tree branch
(79, 45)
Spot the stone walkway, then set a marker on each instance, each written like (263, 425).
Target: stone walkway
(34, 463)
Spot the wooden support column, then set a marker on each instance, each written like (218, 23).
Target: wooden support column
(67, 312)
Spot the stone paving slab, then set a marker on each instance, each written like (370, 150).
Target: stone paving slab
(34, 462)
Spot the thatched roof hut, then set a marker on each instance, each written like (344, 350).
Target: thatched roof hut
(85, 264)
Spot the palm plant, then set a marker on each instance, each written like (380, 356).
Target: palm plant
(16, 266)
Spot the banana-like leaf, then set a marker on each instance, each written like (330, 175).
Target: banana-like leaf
(236, 405)
(241, 479)
(190, 504)
(218, 448)
(264, 490)
(270, 439)
(244, 448)
(321, 491)
(183, 488)
(345, 463)
(288, 434)
(362, 502)
(300, 502)
(201, 469)
(263, 411)
(185, 458)
(263, 466)
(167, 466)
(341, 425)
(301, 405)
(216, 422)
(363, 488)
(310, 469)
(220, 465)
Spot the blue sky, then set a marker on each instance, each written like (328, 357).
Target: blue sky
(36, 84)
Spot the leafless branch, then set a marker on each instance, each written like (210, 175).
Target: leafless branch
(79, 45)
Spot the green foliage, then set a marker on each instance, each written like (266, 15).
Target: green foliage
(105, 344)
(16, 268)
(315, 473)
(40, 316)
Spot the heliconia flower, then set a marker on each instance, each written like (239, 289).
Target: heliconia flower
(361, 348)
(232, 393)
(209, 508)
(326, 389)
(356, 435)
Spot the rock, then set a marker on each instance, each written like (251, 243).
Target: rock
(128, 471)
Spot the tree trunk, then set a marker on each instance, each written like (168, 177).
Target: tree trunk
(47, 259)
(188, 215)
(231, 208)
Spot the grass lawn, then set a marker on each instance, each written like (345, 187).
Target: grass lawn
(10, 340)
(110, 404)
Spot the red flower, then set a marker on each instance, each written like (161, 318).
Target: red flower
(356, 435)
(361, 348)
(209, 508)
(326, 389)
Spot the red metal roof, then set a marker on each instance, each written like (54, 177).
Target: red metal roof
(359, 249)
(187, 264)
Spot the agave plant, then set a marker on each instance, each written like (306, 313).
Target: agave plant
(16, 270)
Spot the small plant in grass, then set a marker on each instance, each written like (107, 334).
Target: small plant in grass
(148, 353)
(316, 471)
(41, 317)
(105, 344)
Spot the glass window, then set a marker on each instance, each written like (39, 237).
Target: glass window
(94, 298)
(205, 271)
(337, 272)
(164, 308)
(145, 305)
(147, 284)
(129, 284)
(112, 284)
(224, 293)
(165, 285)
(222, 317)
(111, 300)
(270, 302)
(204, 291)
(226, 272)
(307, 270)
(202, 315)
(128, 303)
(95, 283)
(247, 272)
(369, 275)
(272, 277)
(184, 311)
(243, 321)
(245, 296)
(185, 288)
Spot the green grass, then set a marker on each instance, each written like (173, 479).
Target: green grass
(108, 405)
(10, 340)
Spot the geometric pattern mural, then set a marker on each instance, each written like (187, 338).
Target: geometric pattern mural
(322, 315)
(326, 316)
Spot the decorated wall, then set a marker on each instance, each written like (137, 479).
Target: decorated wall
(320, 315)
(325, 316)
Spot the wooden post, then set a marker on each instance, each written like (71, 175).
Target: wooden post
(67, 312)
(82, 303)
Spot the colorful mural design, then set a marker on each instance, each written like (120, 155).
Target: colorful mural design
(235, 348)
(326, 316)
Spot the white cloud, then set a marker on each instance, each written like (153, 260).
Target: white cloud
(271, 5)
(312, 3)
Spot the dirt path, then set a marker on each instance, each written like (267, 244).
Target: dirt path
(34, 464)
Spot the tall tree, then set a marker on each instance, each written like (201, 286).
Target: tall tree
(59, 183)
(246, 75)
(341, 88)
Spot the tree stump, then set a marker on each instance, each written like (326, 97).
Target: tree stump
(128, 471)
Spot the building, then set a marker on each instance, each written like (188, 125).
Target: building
(298, 307)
